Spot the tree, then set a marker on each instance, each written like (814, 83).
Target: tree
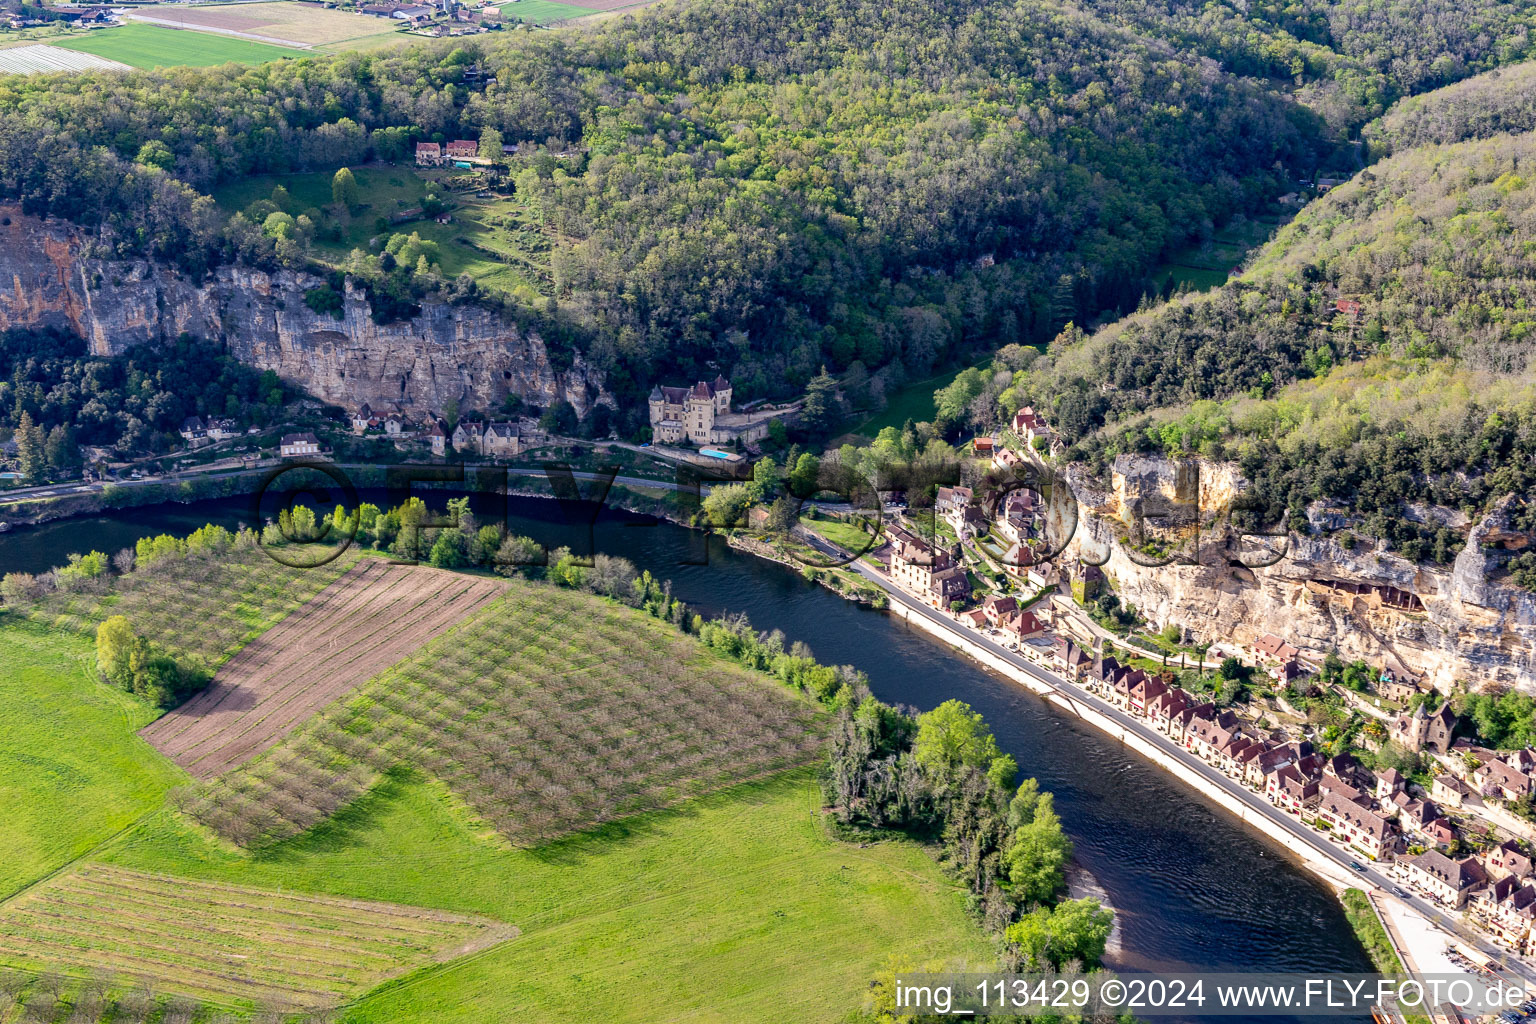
(30, 454)
(60, 451)
(725, 506)
(115, 643)
(450, 550)
(18, 588)
(952, 736)
(805, 477)
(155, 153)
(490, 144)
(1037, 855)
(1073, 930)
(517, 555)
(345, 191)
(819, 411)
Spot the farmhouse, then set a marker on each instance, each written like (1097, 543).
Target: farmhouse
(413, 15)
(462, 149)
(429, 154)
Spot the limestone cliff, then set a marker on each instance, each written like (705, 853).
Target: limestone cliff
(48, 276)
(1463, 623)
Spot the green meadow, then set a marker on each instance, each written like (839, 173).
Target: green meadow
(154, 46)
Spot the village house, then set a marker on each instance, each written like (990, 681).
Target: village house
(193, 431)
(1498, 781)
(1290, 790)
(929, 572)
(437, 436)
(466, 436)
(396, 425)
(294, 446)
(1006, 459)
(364, 420)
(414, 15)
(1023, 626)
(1424, 730)
(1029, 426)
(1413, 815)
(1506, 909)
(1446, 881)
(1355, 824)
(1507, 860)
(1070, 660)
(1452, 792)
(1389, 783)
(501, 440)
(1287, 672)
(1166, 707)
(1396, 686)
(996, 608)
(1144, 691)
(1276, 648)
(702, 415)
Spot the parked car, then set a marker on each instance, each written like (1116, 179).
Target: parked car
(1357, 866)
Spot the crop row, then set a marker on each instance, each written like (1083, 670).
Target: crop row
(548, 712)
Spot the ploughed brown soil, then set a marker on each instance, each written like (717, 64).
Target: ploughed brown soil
(369, 619)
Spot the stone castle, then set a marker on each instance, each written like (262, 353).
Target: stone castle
(702, 415)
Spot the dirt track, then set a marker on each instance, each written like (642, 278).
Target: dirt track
(366, 621)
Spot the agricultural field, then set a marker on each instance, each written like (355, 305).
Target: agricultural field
(1209, 264)
(543, 12)
(360, 625)
(229, 943)
(141, 45)
(737, 906)
(637, 811)
(546, 713)
(281, 22)
(912, 402)
(38, 58)
(203, 607)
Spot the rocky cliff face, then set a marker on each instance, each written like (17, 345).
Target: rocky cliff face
(1459, 624)
(447, 353)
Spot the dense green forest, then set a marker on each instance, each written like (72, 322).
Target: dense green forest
(1376, 354)
(770, 187)
(55, 395)
(1348, 59)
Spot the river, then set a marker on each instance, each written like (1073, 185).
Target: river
(1192, 888)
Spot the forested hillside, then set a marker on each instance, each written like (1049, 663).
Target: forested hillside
(1348, 58)
(1503, 100)
(1378, 352)
(769, 185)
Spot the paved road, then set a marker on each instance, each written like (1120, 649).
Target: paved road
(61, 490)
(1254, 802)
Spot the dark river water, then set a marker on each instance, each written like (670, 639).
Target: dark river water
(1191, 887)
